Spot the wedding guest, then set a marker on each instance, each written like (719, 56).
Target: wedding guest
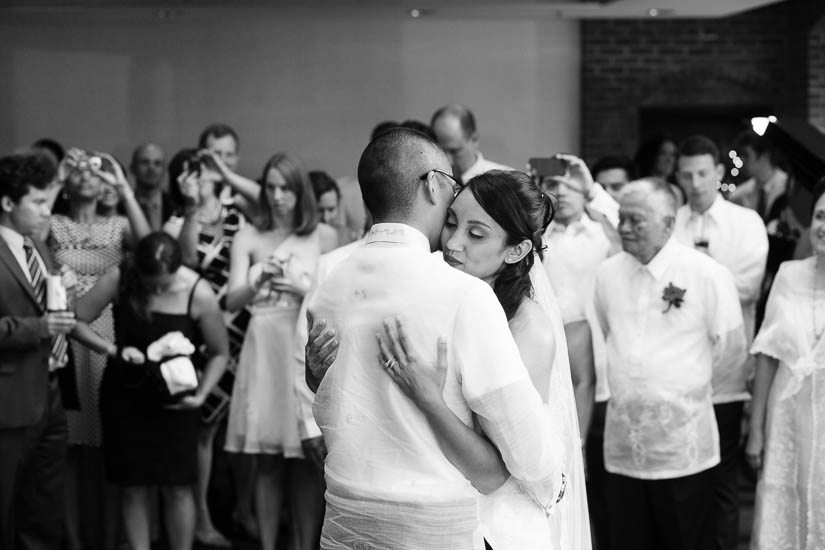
(52, 148)
(767, 191)
(148, 168)
(327, 196)
(90, 244)
(671, 317)
(613, 173)
(455, 129)
(148, 439)
(735, 237)
(271, 269)
(767, 182)
(32, 418)
(785, 436)
(599, 204)
(388, 482)
(222, 140)
(205, 228)
(656, 158)
(576, 245)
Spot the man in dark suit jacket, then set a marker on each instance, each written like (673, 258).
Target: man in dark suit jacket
(32, 419)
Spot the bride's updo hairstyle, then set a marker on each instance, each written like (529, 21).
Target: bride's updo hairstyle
(514, 201)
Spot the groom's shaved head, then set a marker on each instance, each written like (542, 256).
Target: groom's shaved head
(390, 170)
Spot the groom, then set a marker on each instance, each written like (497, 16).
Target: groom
(388, 483)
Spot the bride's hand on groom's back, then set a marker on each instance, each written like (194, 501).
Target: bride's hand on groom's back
(320, 351)
(422, 383)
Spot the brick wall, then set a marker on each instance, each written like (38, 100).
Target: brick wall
(816, 75)
(753, 59)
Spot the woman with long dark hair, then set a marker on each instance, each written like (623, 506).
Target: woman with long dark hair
(150, 437)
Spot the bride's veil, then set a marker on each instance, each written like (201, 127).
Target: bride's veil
(570, 520)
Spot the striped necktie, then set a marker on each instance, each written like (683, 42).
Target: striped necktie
(60, 346)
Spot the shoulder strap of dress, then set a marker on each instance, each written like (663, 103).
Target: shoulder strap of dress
(191, 297)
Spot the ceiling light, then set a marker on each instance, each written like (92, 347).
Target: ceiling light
(760, 124)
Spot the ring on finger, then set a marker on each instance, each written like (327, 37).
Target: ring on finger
(391, 363)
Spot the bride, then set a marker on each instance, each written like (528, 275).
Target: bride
(493, 231)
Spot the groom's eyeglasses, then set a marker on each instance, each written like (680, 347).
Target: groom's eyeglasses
(454, 183)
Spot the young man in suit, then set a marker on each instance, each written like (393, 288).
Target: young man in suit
(32, 419)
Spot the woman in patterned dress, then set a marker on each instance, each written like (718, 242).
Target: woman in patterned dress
(272, 265)
(90, 244)
(786, 442)
(205, 229)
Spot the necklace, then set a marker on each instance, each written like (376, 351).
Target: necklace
(817, 331)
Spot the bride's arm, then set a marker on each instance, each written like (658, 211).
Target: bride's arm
(472, 453)
(765, 371)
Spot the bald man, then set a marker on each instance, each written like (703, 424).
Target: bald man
(149, 170)
(671, 318)
(389, 485)
(455, 129)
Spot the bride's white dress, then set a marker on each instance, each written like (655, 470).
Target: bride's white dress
(790, 496)
(511, 520)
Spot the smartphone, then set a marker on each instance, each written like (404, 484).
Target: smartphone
(546, 167)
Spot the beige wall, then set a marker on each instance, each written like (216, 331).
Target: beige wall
(309, 83)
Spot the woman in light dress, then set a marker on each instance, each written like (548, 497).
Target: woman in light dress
(787, 426)
(272, 263)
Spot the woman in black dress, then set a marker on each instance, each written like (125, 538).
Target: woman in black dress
(149, 439)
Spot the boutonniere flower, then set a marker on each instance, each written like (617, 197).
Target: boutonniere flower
(673, 296)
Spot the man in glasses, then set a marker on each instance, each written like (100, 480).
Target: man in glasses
(455, 129)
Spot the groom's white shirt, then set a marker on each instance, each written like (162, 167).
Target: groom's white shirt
(388, 483)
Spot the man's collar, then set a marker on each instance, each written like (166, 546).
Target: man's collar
(711, 211)
(662, 260)
(12, 237)
(398, 233)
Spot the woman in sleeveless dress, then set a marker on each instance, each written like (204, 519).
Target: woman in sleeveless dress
(272, 264)
(205, 228)
(90, 244)
(148, 440)
(786, 443)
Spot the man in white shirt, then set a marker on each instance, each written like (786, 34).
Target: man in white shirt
(455, 129)
(670, 316)
(576, 245)
(388, 483)
(735, 237)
